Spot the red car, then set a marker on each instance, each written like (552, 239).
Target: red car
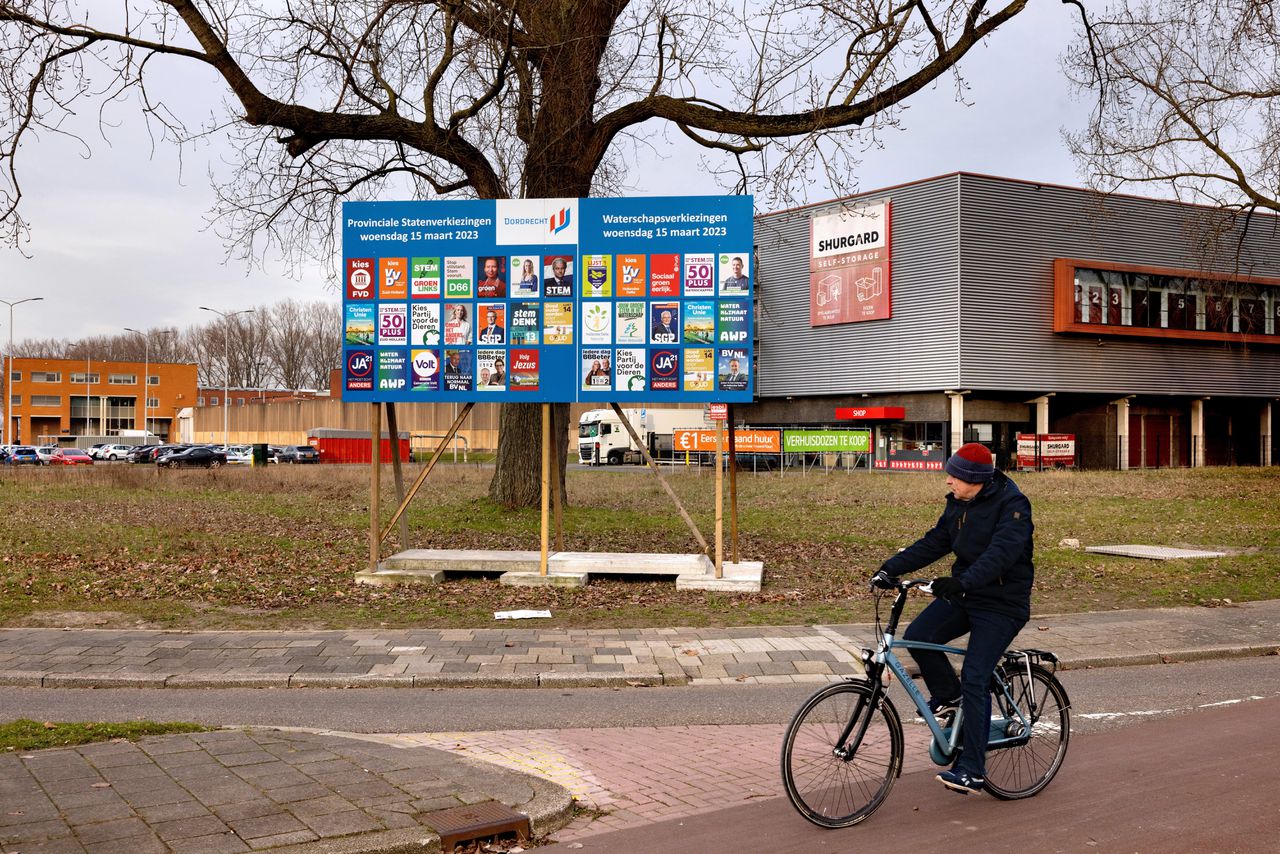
(70, 457)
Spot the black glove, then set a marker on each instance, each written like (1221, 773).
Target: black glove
(947, 587)
(883, 581)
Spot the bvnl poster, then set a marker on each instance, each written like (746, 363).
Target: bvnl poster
(549, 300)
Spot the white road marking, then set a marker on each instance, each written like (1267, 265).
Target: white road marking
(1150, 712)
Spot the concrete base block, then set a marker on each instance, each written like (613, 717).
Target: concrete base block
(742, 577)
(615, 563)
(564, 569)
(460, 560)
(400, 577)
(536, 579)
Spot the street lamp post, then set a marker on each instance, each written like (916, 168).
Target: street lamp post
(226, 364)
(146, 375)
(8, 383)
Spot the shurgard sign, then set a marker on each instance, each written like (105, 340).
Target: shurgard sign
(533, 300)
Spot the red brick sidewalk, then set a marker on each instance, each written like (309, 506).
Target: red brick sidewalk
(629, 776)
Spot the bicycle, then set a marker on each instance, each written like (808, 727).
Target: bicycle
(843, 749)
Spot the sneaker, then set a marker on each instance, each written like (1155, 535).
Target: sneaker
(961, 781)
(943, 709)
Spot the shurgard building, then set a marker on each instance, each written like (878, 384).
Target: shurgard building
(972, 308)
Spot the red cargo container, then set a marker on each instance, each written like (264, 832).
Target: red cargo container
(352, 446)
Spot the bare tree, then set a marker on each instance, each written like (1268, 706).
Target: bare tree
(291, 344)
(334, 100)
(323, 324)
(288, 343)
(1188, 99)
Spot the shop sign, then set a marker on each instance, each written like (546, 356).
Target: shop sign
(1046, 449)
(745, 441)
(826, 441)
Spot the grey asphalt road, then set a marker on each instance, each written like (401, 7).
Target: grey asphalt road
(1104, 698)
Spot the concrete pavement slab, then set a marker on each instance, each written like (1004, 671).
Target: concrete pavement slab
(254, 789)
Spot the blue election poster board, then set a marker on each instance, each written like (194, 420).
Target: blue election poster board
(549, 300)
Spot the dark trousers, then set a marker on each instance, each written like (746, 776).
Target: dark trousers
(989, 636)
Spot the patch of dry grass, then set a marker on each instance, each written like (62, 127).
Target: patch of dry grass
(278, 547)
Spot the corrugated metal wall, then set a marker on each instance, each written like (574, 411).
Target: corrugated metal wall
(915, 350)
(1010, 234)
(972, 286)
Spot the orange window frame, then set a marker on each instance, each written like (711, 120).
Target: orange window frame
(1064, 303)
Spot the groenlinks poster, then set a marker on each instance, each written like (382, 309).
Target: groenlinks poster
(549, 300)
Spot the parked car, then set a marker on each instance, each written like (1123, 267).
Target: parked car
(45, 452)
(92, 450)
(70, 457)
(24, 455)
(298, 454)
(198, 457)
(149, 453)
(239, 455)
(113, 452)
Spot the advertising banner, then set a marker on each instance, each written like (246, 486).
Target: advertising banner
(549, 300)
(849, 254)
(820, 441)
(745, 441)
(1052, 449)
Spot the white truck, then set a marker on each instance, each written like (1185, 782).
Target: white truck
(603, 440)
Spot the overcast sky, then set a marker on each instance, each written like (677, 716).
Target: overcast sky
(118, 238)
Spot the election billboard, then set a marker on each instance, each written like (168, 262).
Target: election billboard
(549, 300)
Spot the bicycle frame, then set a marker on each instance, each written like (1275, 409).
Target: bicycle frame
(875, 661)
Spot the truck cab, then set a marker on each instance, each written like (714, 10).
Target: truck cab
(603, 440)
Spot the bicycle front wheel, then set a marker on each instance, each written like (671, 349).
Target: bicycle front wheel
(829, 783)
(1024, 768)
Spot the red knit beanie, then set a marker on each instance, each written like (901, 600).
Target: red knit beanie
(972, 463)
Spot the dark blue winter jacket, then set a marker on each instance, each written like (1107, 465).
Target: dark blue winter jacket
(990, 537)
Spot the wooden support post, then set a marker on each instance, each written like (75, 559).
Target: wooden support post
(398, 472)
(557, 500)
(653, 467)
(733, 485)
(546, 483)
(375, 483)
(719, 500)
(422, 475)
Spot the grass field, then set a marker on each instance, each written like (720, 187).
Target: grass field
(120, 545)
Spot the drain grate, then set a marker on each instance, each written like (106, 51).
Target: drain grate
(1153, 552)
(478, 821)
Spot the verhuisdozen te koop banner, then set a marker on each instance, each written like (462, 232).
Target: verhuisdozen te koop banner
(549, 300)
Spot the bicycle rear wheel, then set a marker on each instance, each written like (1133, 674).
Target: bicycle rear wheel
(826, 787)
(1023, 769)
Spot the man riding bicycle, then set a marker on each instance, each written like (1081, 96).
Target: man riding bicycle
(987, 526)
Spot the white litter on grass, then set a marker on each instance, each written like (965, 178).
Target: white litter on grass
(519, 615)
(1153, 552)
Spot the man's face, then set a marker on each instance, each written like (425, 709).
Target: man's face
(455, 358)
(962, 489)
(493, 318)
(737, 267)
(733, 366)
(557, 267)
(491, 269)
(484, 375)
(666, 318)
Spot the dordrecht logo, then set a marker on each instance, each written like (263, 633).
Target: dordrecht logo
(559, 221)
